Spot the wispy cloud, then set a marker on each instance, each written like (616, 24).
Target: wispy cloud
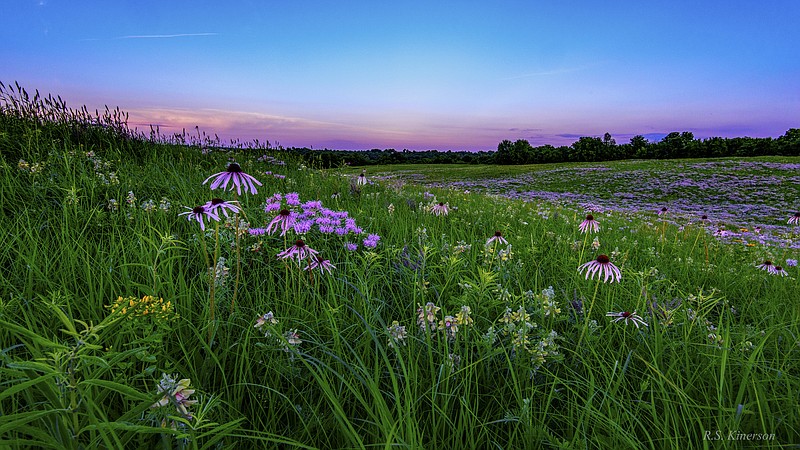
(165, 36)
(553, 71)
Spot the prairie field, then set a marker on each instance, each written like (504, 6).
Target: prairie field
(176, 295)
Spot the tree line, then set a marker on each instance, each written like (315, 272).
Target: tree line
(585, 149)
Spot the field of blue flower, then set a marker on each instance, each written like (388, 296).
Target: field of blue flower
(157, 295)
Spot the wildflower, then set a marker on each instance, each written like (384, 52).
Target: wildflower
(626, 317)
(131, 199)
(779, 271)
(149, 205)
(794, 220)
(791, 262)
(596, 243)
(721, 232)
(234, 173)
(498, 237)
(450, 326)
(284, 219)
(662, 211)
(589, 224)
(362, 179)
(266, 318)
(426, 316)
(219, 273)
(164, 204)
(112, 205)
(273, 203)
(177, 394)
(602, 266)
(299, 251)
(390, 208)
(371, 241)
(350, 247)
(397, 334)
(322, 264)
(198, 213)
(440, 209)
(462, 317)
(218, 204)
(302, 226)
(292, 338)
(767, 265)
(292, 199)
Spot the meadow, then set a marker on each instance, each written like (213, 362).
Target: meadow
(177, 295)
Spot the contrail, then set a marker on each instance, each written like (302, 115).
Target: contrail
(165, 36)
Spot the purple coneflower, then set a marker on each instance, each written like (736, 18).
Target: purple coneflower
(767, 265)
(298, 251)
(322, 264)
(362, 179)
(217, 204)
(284, 219)
(498, 237)
(663, 211)
(440, 209)
(602, 266)
(589, 224)
(780, 271)
(795, 219)
(197, 213)
(234, 173)
(626, 317)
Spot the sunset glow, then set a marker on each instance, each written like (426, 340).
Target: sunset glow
(447, 76)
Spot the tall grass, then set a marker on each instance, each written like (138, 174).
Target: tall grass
(528, 367)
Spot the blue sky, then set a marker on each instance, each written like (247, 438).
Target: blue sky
(417, 75)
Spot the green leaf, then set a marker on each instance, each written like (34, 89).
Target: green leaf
(118, 387)
(8, 392)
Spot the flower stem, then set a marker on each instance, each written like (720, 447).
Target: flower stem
(589, 313)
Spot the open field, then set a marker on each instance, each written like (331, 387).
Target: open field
(734, 193)
(135, 312)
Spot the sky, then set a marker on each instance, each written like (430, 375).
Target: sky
(416, 75)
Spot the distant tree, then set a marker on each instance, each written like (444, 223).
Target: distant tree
(638, 147)
(674, 145)
(788, 144)
(505, 149)
(587, 149)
